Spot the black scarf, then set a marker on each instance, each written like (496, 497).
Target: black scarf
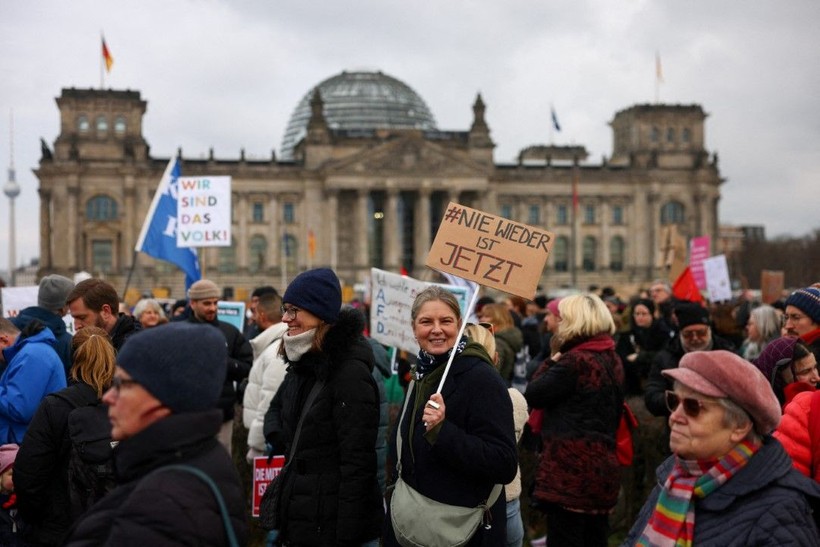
(427, 363)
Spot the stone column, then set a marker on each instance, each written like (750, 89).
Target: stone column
(605, 236)
(332, 233)
(421, 231)
(274, 232)
(46, 258)
(391, 236)
(129, 224)
(362, 259)
(241, 232)
(74, 254)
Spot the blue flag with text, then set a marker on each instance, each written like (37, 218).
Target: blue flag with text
(158, 237)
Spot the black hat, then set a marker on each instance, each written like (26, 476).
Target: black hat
(691, 313)
(317, 291)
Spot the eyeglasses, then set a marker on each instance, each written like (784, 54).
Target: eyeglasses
(793, 317)
(117, 382)
(691, 406)
(289, 312)
(695, 333)
(488, 326)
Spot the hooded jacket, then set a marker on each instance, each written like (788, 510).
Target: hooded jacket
(57, 327)
(330, 493)
(33, 371)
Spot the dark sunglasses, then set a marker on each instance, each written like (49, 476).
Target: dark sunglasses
(488, 326)
(691, 406)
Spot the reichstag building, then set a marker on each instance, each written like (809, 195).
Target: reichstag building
(361, 180)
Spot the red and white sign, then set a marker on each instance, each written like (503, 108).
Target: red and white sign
(263, 472)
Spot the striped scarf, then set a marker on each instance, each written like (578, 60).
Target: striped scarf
(673, 521)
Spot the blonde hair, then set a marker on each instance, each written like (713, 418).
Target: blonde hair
(499, 315)
(481, 335)
(94, 358)
(584, 315)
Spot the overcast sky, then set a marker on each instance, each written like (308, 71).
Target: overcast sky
(228, 74)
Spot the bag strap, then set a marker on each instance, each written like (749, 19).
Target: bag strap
(220, 501)
(314, 391)
(494, 493)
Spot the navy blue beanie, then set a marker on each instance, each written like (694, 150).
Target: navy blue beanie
(317, 291)
(182, 364)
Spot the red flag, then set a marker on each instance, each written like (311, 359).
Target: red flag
(685, 287)
(109, 60)
(403, 271)
(311, 243)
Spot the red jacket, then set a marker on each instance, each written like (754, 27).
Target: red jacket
(794, 433)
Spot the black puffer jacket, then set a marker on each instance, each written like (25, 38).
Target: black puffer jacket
(167, 507)
(240, 359)
(41, 468)
(331, 494)
(123, 329)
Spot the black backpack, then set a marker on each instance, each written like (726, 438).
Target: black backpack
(90, 462)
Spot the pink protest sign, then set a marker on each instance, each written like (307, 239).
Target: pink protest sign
(698, 252)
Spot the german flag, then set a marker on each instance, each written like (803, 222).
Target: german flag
(109, 60)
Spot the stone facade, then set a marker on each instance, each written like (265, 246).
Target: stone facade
(352, 200)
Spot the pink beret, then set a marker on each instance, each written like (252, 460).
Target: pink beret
(552, 306)
(8, 453)
(721, 373)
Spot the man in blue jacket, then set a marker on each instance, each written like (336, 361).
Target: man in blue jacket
(32, 371)
(50, 309)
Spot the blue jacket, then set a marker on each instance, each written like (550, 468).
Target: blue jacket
(33, 371)
(57, 327)
(768, 502)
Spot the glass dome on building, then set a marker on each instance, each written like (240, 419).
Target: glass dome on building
(360, 100)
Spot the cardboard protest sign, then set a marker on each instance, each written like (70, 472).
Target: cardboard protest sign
(672, 255)
(204, 212)
(15, 299)
(772, 283)
(391, 299)
(717, 278)
(264, 472)
(698, 252)
(490, 250)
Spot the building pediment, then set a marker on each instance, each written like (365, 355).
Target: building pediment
(411, 155)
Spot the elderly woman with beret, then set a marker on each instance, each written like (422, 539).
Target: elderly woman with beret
(728, 481)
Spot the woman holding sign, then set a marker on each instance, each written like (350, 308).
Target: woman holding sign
(581, 392)
(456, 444)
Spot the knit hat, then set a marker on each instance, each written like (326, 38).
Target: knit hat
(690, 313)
(806, 300)
(53, 291)
(182, 364)
(8, 453)
(721, 373)
(202, 289)
(552, 306)
(776, 351)
(317, 291)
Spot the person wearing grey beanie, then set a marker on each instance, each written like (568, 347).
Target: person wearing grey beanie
(50, 309)
(162, 411)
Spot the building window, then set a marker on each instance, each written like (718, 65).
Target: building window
(82, 123)
(617, 215)
(672, 213)
(562, 215)
(670, 134)
(534, 216)
(560, 253)
(290, 246)
(289, 213)
(616, 254)
(258, 212)
(119, 126)
(506, 211)
(101, 208)
(102, 255)
(655, 134)
(102, 124)
(227, 258)
(589, 252)
(259, 248)
(589, 214)
(686, 135)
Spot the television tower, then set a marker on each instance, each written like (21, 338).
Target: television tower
(12, 190)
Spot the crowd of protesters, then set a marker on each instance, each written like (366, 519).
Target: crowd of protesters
(525, 422)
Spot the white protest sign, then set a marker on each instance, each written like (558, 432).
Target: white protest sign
(717, 278)
(391, 301)
(16, 299)
(204, 212)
